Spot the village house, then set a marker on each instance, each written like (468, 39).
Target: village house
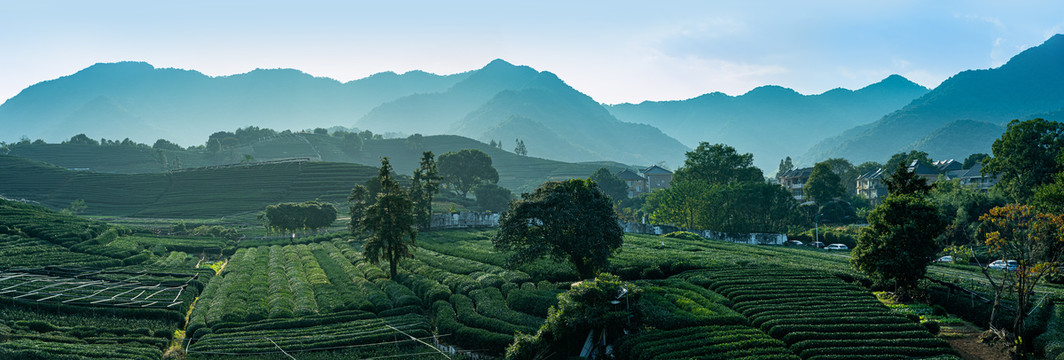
(637, 184)
(657, 177)
(872, 187)
(794, 181)
(647, 180)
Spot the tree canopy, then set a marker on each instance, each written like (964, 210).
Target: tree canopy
(824, 185)
(423, 188)
(568, 220)
(389, 221)
(735, 207)
(610, 184)
(1026, 156)
(1035, 241)
(465, 169)
(899, 242)
(492, 197)
(297, 216)
(902, 181)
(718, 164)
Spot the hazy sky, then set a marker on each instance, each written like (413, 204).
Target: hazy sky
(615, 51)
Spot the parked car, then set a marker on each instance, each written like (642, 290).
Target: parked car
(1007, 265)
(945, 259)
(793, 243)
(816, 244)
(836, 247)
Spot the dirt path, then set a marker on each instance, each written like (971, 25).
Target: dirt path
(965, 339)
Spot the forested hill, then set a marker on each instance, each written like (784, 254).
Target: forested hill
(1030, 85)
(518, 173)
(771, 122)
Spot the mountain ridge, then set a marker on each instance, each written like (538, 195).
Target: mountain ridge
(1029, 84)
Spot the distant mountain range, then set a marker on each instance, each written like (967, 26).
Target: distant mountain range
(504, 102)
(138, 101)
(963, 115)
(771, 122)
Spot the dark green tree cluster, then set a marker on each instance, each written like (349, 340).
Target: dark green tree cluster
(465, 169)
(520, 149)
(824, 185)
(1027, 157)
(720, 189)
(588, 305)
(387, 220)
(287, 217)
(493, 197)
(566, 220)
(423, 188)
(899, 242)
(610, 184)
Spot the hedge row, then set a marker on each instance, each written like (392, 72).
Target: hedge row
(470, 338)
(821, 315)
(703, 342)
(356, 332)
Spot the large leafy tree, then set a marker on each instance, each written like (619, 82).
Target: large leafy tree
(568, 220)
(423, 188)
(1035, 241)
(492, 197)
(718, 164)
(389, 221)
(610, 184)
(824, 185)
(899, 242)
(847, 174)
(465, 169)
(735, 207)
(1026, 156)
(905, 182)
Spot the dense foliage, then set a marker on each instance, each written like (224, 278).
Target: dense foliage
(388, 221)
(899, 242)
(465, 169)
(288, 217)
(567, 220)
(718, 164)
(824, 185)
(1026, 156)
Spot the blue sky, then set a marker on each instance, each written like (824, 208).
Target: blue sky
(615, 51)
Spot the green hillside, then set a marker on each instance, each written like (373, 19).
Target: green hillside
(209, 192)
(518, 173)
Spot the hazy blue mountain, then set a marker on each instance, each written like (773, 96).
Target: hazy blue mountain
(144, 103)
(504, 102)
(771, 122)
(433, 113)
(958, 139)
(558, 122)
(1030, 85)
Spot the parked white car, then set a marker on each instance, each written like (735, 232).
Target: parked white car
(945, 259)
(836, 247)
(1007, 265)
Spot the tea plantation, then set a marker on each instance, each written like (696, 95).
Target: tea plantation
(76, 288)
